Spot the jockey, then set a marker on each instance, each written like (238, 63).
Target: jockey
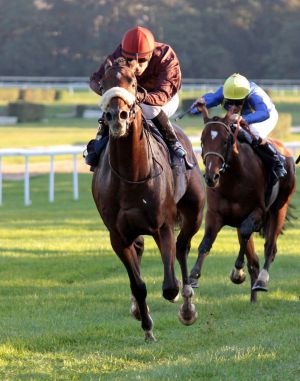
(158, 74)
(255, 109)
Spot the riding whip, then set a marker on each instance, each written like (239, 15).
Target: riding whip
(181, 114)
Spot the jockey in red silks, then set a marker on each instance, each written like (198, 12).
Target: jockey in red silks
(255, 108)
(158, 74)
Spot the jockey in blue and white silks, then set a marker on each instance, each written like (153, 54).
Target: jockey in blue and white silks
(256, 108)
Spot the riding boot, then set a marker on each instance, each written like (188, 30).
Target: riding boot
(268, 153)
(95, 146)
(164, 126)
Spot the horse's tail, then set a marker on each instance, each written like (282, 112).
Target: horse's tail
(289, 218)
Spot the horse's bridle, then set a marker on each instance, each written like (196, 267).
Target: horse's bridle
(229, 146)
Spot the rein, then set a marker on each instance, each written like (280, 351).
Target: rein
(229, 146)
(144, 180)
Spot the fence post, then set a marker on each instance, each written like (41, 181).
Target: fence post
(51, 179)
(26, 183)
(1, 182)
(75, 178)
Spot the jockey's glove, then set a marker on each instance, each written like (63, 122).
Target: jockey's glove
(195, 108)
(141, 94)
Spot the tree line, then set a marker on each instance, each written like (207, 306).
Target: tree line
(212, 38)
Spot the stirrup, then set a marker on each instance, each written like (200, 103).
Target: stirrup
(280, 171)
(177, 148)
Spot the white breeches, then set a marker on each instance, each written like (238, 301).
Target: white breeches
(169, 108)
(262, 129)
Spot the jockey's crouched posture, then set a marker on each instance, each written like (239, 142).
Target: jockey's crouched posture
(255, 108)
(157, 70)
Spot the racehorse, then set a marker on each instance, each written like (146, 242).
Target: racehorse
(237, 183)
(136, 194)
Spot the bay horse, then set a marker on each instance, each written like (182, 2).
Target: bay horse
(236, 180)
(136, 194)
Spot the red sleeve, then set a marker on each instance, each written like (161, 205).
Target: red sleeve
(167, 82)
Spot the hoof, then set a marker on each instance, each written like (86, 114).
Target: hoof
(171, 294)
(175, 299)
(194, 282)
(149, 337)
(188, 317)
(237, 276)
(260, 285)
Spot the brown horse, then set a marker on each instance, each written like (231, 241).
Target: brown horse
(236, 182)
(137, 194)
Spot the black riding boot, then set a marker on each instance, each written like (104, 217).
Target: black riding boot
(162, 123)
(95, 146)
(268, 153)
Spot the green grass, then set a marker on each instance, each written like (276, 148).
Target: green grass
(65, 302)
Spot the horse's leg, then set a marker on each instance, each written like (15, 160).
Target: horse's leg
(191, 214)
(213, 224)
(274, 225)
(165, 241)
(252, 264)
(139, 248)
(248, 226)
(129, 257)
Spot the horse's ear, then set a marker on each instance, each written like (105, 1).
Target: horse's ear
(205, 114)
(120, 61)
(108, 64)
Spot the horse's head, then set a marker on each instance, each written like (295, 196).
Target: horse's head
(217, 143)
(118, 102)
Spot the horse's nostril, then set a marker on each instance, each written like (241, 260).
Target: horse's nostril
(216, 177)
(108, 116)
(123, 115)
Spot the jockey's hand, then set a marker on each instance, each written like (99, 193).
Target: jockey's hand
(141, 94)
(235, 118)
(197, 106)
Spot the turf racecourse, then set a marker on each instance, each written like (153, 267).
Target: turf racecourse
(64, 311)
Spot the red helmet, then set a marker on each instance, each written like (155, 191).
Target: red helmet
(137, 43)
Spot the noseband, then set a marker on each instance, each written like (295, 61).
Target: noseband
(229, 146)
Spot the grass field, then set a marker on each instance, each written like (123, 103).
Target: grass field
(65, 302)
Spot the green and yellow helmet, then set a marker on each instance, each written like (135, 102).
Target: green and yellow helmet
(236, 87)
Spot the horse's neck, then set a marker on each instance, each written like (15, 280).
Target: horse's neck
(130, 156)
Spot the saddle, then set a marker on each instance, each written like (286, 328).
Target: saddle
(176, 163)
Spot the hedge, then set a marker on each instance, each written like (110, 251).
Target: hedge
(26, 112)
(37, 95)
(9, 95)
(283, 127)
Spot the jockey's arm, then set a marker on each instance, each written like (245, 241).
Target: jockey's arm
(210, 99)
(214, 99)
(260, 112)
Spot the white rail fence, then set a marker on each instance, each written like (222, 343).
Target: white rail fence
(73, 151)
